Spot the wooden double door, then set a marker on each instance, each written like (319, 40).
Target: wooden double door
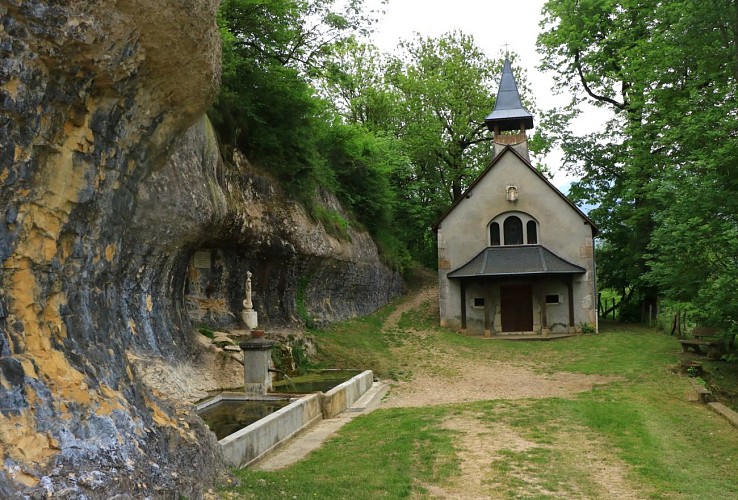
(516, 308)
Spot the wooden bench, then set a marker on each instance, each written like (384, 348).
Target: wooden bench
(701, 332)
(724, 342)
(714, 347)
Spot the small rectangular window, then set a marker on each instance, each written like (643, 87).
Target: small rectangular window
(552, 299)
(478, 301)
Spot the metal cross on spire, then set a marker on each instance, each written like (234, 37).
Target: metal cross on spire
(507, 49)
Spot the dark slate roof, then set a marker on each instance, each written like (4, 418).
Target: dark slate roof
(516, 260)
(466, 194)
(509, 111)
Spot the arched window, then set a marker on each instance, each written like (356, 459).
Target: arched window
(513, 228)
(530, 228)
(494, 234)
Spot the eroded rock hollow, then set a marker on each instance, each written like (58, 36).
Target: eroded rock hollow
(114, 198)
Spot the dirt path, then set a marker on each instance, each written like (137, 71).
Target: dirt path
(440, 377)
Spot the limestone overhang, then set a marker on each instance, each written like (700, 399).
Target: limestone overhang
(516, 261)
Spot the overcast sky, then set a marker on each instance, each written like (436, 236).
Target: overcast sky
(493, 24)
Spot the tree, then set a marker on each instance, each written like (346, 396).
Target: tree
(431, 97)
(273, 53)
(670, 144)
(279, 56)
(442, 118)
(595, 48)
(444, 89)
(695, 244)
(355, 84)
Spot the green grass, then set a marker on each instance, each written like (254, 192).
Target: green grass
(381, 454)
(360, 343)
(642, 424)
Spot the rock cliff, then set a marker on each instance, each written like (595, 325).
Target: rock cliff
(120, 227)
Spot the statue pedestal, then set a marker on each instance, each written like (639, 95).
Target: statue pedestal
(256, 356)
(250, 318)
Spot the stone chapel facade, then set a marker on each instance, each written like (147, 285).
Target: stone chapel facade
(515, 255)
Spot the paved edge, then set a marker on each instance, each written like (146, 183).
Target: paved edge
(726, 412)
(313, 437)
(704, 395)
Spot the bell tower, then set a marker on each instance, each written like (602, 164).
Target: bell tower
(509, 120)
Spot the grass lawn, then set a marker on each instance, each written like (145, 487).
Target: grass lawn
(639, 434)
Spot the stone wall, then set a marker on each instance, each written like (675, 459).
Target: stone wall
(97, 230)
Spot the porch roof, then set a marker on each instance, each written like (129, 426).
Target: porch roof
(516, 260)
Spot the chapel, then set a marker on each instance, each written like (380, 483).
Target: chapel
(515, 255)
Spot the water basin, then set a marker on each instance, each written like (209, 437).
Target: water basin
(244, 434)
(228, 416)
(317, 381)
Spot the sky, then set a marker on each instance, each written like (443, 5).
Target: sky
(492, 23)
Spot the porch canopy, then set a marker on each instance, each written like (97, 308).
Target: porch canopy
(531, 262)
(516, 261)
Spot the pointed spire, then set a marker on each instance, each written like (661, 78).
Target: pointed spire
(509, 113)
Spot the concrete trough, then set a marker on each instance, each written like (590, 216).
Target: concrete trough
(247, 445)
(345, 394)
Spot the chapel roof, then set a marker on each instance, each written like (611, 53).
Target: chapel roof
(516, 260)
(509, 111)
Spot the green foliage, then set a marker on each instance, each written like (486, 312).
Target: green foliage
(362, 163)
(333, 222)
(695, 247)
(690, 315)
(730, 357)
(394, 251)
(206, 331)
(587, 328)
(435, 139)
(300, 357)
(355, 84)
(393, 137)
(443, 125)
(663, 172)
(301, 302)
(266, 107)
(278, 56)
(291, 356)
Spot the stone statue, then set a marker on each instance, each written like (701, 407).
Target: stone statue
(247, 304)
(248, 314)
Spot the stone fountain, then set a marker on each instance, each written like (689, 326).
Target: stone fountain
(257, 354)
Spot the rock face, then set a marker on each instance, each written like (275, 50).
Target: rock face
(120, 228)
(224, 220)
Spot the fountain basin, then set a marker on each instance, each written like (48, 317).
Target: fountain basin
(345, 394)
(244, 446)
(227, 416)
(313, 381)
